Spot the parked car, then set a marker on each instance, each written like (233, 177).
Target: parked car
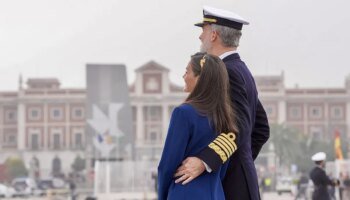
(284, 185)
(24, 186)
(6, 191)
(51, 185)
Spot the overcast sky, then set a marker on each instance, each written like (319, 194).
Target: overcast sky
(307, 39)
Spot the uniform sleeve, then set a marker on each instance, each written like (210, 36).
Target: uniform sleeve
(174, 150)
(325, 180)
(222, 148)
(261, 130)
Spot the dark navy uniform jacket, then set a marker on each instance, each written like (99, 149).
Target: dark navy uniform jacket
(188, 133)
(321, 181)
(241, 182)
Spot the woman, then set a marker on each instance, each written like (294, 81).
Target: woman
(206, 112)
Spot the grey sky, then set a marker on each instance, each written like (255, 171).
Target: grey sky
(308, 39)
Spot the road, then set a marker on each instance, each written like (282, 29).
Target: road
(275, 196)
(266, 196)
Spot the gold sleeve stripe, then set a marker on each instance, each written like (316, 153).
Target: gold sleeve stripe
(230, 137)
(229, 144)
(228, 148)
(218, 151)
(222, 146)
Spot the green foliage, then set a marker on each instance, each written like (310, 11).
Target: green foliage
(15, 168)
(293, 147)
(78, 164)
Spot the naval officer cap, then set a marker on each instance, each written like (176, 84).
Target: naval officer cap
(221, 17)
(320, 156)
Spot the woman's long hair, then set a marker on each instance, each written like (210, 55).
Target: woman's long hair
(211, 96)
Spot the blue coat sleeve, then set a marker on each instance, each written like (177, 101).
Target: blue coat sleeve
(174, 150)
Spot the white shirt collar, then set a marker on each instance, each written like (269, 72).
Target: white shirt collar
(224, 55)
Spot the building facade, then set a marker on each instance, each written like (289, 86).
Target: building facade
(47, 121)
(42, 121)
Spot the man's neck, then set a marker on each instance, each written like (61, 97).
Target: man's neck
(221, 50)
(320, 166)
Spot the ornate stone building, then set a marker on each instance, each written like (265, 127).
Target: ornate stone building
(45, 120)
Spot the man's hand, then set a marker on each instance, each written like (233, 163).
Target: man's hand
(190, 169)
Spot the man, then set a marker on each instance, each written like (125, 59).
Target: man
(320, 179)
(220, 37)
(302, 186)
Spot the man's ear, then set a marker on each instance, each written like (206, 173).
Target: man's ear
(214, 36)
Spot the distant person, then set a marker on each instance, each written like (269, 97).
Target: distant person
(320, 179)
(206, 113)
(154, 176)
(346, 190)
(302, 186)
(72, 186)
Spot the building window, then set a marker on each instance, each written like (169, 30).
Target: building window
(134, 113)
(316, 132)
(78, 140)
(152, 84)
(315, 112)
(34, 113)
(271, 111)
(56, 141)
(11, 116)
(171, 109)
(12, 139)
(295, 112)
(56, 113)
(77, 113)
(153, 123)
(153, 134)
(152, 113)
(337, 112)
(34, 143)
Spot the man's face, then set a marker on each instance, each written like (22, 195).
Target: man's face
(205, 38)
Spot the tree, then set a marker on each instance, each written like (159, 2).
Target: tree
(15, 168)
(285, 141)
(293, 147)
(78, 164)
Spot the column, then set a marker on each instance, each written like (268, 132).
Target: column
(347, 116)
(1, 127)
(139, 124)
(21, 117)
(165, 83)
(46, 133)
(67, 132)
(306, 119)
(282, 111)
(165, 113)
(327, 123)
